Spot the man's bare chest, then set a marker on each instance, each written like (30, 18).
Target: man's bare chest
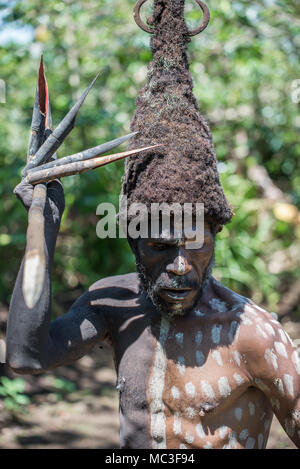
(195, 373)
(183, 379)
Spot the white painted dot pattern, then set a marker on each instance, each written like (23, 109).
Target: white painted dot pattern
(190, 389)
(224, 387)
(217, 357)
(280, 349)
(238, 412)
(216, 333)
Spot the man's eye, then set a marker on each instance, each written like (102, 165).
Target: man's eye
(159, 246)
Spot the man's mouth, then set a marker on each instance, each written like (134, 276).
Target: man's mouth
(175, 294)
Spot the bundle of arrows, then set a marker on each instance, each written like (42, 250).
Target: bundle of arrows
(44, 166)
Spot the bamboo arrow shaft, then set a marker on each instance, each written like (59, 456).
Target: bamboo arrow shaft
(46, 175)
(86, 154)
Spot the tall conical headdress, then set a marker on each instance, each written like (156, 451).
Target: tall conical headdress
(184, 170)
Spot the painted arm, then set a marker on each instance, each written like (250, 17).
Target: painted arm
(34, 343)
(275, 368)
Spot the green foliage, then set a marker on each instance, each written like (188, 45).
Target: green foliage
(13, 394)
(63, 387)
(245, 67)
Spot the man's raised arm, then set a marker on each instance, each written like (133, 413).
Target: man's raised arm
(34, 343)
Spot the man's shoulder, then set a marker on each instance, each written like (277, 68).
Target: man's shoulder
(230, 301)
(257, 328)
(118, 287)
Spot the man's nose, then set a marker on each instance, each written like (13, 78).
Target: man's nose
(179, 266)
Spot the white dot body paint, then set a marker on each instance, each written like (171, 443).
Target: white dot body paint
(207, 445)
(156, 388)
(190, 412)
(200, 431)
(247, 321)
(261, 332)
(271, 358)
(238, 412)
(238, 378)
(182, 446)
(260, 441)
(289, 384)
(190, 389)
(251, 408)
(296, 361)
(199, 313)
(189, 438)
(216, 333)
(87, 329)
(224, 387)
(250, 309)
(233, 331)
(289, 339)
(175, 392)
(244, 434)
(250, 443)
(181, 365)
(282, 336)
(177, 424)
(200, 358)
(237, 357)
(223, 430)
(198, 338)
(280, 348)
(207, 390)
(217, 357)
(260, 309)
(218, 305)
(179, 338)
(269, 329)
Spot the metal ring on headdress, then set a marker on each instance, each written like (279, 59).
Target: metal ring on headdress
(193, 32)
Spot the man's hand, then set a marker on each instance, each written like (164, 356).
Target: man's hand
(55, 204)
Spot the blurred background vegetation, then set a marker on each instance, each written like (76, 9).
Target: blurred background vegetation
(246, 73)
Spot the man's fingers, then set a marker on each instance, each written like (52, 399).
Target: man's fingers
(24, 192)
(55, 193)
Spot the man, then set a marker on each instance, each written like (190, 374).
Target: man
(198, 366)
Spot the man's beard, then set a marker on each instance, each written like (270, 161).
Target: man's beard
(164, 281)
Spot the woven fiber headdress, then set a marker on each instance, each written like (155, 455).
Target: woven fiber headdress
(184, 169)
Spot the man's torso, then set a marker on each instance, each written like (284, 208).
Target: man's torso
(184, 383)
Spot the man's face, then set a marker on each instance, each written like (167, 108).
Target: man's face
(172, 273)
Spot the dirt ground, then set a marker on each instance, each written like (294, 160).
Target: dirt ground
(86, 416)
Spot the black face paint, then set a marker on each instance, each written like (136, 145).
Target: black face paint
(164, 282)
